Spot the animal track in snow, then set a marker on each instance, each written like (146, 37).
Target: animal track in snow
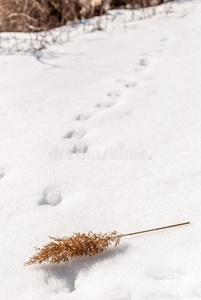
(131, 84)
(77, 134)
(79, 149)
(143, 62)
(113, 94)
(82, 117)
(51, 196)
(104, 104)
(2, 173)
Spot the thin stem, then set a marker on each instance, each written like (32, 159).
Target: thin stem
(160, 228)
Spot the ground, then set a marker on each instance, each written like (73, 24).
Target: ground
(103, 133)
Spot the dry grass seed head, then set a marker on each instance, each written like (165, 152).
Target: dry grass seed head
(64, 249)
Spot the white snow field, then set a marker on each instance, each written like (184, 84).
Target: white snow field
(102, 134)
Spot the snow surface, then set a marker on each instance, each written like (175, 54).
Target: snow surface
(103, 134)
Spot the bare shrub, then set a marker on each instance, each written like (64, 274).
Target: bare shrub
(41, 15)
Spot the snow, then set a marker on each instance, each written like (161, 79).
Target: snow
(103, 134)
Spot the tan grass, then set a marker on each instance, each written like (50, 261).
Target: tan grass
(67, 248)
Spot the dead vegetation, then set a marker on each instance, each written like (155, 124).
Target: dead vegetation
(36, 15)
(67, 248)
(43, 15)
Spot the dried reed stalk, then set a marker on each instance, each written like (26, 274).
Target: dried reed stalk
(64, 249)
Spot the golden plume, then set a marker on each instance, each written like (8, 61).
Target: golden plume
(66, 248)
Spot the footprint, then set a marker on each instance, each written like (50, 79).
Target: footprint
(2, 173)
(143, 62)
(69, 135)
(131, 84)
(104, 104)
(51, 196)
(77, 134)
(113, 94)
(82, 117)
(78, 149)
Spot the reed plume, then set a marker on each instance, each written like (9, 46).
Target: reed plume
(64, 249)
(67, 248)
